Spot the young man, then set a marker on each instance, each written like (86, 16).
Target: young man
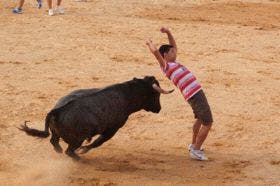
(18, 9)
(191, 90)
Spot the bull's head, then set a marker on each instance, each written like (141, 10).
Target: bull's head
(152, 102)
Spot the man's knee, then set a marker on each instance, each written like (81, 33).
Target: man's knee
(207, 124)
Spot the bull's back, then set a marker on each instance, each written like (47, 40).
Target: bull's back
(74, 96)
(93, 113)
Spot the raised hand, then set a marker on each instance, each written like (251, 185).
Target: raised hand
(164, 30)
(151, 46)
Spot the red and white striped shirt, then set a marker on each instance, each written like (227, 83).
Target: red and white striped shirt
(182, 78)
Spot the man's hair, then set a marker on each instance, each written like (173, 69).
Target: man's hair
(164, 49)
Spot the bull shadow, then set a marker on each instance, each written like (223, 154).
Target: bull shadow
(120, 161)
(151, 164)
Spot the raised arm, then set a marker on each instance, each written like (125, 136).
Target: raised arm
(170, 37)
(156, 53)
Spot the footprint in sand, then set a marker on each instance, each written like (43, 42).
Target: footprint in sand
(15, 62)
(237, 164)
(84, 181)
(217, 144)
(125, 58)
(95, 78)
(67, 84)
(265, 73)
(11, 62)
(42, 97)
(110, 184)
(275, 162)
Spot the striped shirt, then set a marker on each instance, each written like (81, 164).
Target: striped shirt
(182, 78)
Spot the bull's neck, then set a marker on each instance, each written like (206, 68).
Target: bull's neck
(135, 99)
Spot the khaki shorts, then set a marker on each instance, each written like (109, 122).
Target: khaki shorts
(201, 108)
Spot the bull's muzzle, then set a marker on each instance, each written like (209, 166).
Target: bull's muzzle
(160, 90)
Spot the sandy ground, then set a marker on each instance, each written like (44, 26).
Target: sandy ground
(232, 47)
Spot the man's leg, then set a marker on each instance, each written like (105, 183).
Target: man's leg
(50, 4)
(20, 4)
(59, 9)
(58, 2)
(18, 9)
(51, 11)
(202, 135)
(196, 127)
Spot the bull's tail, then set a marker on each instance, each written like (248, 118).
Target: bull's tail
(35, 132)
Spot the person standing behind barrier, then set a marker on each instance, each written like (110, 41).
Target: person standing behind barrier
(18, 9)
(58, 9)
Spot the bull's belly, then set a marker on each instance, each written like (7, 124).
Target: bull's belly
(80, 123)
(76, 132)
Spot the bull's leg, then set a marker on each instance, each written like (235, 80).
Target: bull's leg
(70, 151)
(105, 136)
(55, 142)
(108, 134)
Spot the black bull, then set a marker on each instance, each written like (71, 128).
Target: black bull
(87, 112)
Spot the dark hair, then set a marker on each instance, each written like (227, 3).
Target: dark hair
(164, 49)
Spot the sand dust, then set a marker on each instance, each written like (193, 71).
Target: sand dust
(233, 47)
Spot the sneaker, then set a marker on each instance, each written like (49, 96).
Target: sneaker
(17, 11)
(198, 155)
(190, 147)
(51, 13)
(40, 3)
(59, 10)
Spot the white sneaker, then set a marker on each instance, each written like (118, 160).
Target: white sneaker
(51, 12)
(59, 10)
(190, 147)
(198, 155)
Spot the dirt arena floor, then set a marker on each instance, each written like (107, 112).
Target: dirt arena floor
(233, 47)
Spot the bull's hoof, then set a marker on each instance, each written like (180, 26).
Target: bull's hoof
(83, 149)
(73, 156)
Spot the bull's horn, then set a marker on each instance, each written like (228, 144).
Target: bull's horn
(160, 90)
